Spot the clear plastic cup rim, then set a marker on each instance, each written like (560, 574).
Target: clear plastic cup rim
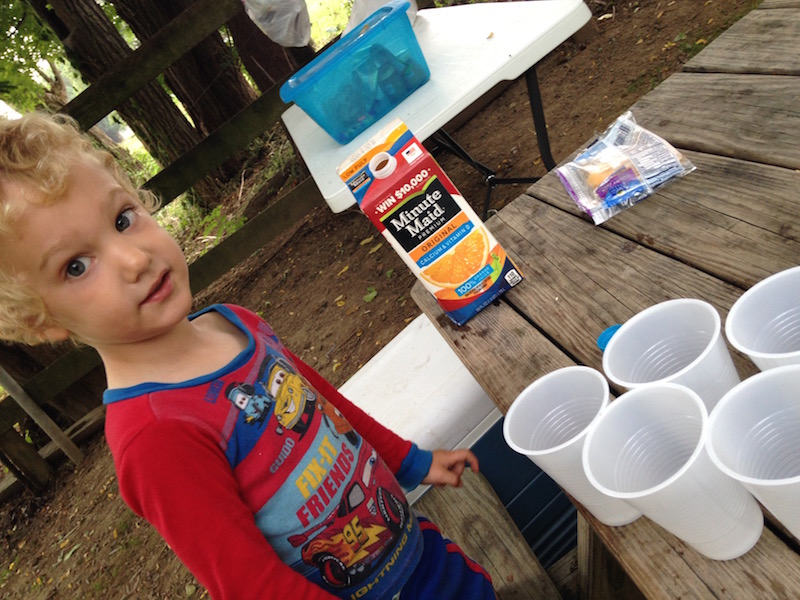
(729, 398)
(730, 334)
(644, 314)
(516, 405)
(766, 355)
(617, 405)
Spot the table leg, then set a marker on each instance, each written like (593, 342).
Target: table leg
(600, 577)
(539, 123)
(445, 141)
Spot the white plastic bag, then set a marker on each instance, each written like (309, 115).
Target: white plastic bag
(285, 22)
(364, 8)
(620, 168)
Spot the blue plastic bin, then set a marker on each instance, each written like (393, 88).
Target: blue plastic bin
(362, 76)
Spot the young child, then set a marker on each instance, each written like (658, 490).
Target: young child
(264, 480)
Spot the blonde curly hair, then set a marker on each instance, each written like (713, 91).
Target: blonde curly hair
(36, 153)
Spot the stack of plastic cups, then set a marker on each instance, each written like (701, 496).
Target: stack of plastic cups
(677, 341)
(548, 423)
(648, 449)
(754, 439)
(755, 427)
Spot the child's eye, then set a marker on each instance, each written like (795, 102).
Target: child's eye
(78, 266)
(125, 219)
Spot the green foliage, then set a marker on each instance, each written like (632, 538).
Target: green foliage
(33, 58)
(24, 432)
(139, 164)
(196, 231)
(29, 58)
(328, 19)
(180, 217)
(218, 225)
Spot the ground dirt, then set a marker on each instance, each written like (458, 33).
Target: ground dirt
(336, 293)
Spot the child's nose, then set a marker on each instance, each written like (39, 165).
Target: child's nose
(134, 261)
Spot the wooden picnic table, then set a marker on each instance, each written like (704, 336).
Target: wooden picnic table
(734, 111)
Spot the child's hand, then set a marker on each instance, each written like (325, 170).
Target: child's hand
(448, 465)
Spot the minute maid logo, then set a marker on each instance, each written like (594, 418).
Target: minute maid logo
(362, 511)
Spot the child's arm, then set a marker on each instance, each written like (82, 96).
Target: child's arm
(447, 467)
(179, 480)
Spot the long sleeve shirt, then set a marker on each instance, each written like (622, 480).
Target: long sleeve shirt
(265, 480)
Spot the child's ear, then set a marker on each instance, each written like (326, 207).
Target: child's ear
(54, 334)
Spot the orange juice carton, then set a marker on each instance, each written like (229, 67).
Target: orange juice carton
(401, 188)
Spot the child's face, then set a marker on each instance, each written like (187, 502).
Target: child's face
(106, 271)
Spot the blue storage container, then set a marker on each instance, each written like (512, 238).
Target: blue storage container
(362, 76)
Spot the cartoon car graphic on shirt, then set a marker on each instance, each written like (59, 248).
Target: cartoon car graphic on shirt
(294, 402)
(251, 400)
(336, 421)
(354, 538)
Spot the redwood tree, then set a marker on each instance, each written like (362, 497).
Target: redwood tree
(266, 62)
(208, 79)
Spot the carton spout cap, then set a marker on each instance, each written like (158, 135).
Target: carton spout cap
(382, 165)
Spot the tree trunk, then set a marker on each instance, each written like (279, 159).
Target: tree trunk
(208, 79)
(94, 46)
(267, 62)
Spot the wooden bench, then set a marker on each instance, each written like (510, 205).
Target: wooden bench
(474, 518)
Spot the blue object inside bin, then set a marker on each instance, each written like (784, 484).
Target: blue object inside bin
(361, 77)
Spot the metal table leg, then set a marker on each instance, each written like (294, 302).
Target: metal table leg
(445, 141)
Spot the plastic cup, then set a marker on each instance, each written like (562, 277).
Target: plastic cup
(754, 439)
(764, 323)
(677, 341)
(648, 449)
(548, 422)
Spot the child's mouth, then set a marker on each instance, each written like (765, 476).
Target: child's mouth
(160, 290)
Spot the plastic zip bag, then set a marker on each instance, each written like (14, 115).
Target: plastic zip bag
(285, 22)
(620, 168)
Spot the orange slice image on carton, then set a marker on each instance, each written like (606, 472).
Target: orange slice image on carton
(461, 262)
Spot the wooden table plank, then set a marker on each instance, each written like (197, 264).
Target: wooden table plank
(763, 41)
(780, 4)
(643, 548)
(515, 354)
(712, 218)
(751, 117)
(580, 279)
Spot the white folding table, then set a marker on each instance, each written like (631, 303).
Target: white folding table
(469, 49)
